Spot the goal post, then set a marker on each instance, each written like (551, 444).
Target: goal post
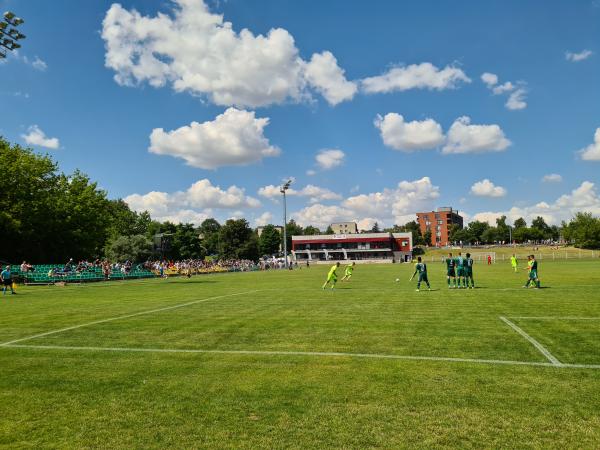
(483, 256)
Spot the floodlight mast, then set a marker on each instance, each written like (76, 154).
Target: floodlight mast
(8, 37)
(284, 188)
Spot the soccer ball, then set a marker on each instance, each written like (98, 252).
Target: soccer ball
(397, 280)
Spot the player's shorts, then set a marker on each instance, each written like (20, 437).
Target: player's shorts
(348, 274)
(423, 278)
(451, 273)
(461, 272)
(7, 282)
(468, 272)
(332, 278)
(533, 274)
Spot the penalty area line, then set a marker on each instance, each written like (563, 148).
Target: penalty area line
(306, 353)
(549, 356)
(126, 316)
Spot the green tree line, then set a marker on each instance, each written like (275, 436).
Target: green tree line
(50, 216)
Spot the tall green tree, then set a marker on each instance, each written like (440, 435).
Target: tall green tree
(269, 241)
(583, 230)
(135, 248)
(237, 240)
(519, 223)
(292, 229)
(311, 231)
(209, 229)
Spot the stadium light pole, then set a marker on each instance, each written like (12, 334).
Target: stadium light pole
(10, 36)
(284, 188)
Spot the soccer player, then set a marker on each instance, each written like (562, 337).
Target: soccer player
(332, 276)
(489, 260)
(450, 269)
(533, 272)
(348, 272)
(460, 270)
(469, 272)
(513, 262)
(421, 269)
(6, 278)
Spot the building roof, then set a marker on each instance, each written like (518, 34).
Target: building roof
(357, 237)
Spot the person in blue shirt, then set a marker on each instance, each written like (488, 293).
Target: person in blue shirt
(6, 279)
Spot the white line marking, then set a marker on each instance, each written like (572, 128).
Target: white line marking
(555, 318)
(535, 343)
(305, 353)
(126, 316)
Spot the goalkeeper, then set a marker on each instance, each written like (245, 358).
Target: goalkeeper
(421, 269)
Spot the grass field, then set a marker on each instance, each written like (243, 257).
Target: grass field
(269, 360)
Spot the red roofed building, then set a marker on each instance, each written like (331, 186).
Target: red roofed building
(375, 247)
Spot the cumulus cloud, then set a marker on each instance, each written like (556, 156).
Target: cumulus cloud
(517, 92)
(328, 78)
(233, 138)
(490, 79)
(192, 205)
(485, 188)
(415, 76)
(397, 205)
(313, 193)
(196, 51)
(35, 136)
(585, 198)
(552, 178)
(463, 137)
(330, 158)
(592, 151)
(516, 100)
(264, 219)
(580, 56)
(409, 136)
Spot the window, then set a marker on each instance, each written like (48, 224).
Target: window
(440, 222)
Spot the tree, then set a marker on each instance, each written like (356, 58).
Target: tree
(427, 237)
(490, 235)
(375, 228)
(311, 231)
(186, 243)
(502, 230)
(134, 248)
(329, 230)
(583, 230)
(292, 229)
(519, 223)
(476, 230)
(540, 224)
(209, 229)
(269, 241)
(237, 240)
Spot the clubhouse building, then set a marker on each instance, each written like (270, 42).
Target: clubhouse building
(364, 247)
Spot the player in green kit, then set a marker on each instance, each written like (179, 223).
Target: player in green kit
(460, 270)
(421, 269)
(348, 272)
(533, 272)
(513, 262)
(469, 272)
(332, 276)
(451, 269)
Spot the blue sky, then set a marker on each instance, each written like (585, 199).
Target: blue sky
(267, 103)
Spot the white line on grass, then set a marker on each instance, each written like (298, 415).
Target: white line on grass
(126, 316)
(555, 318)
(305, 353)
(535, 343)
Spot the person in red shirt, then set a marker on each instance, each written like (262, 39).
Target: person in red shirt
(489, 260)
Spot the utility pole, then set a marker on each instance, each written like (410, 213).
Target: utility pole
(284, 188)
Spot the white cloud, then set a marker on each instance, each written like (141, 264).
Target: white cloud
(490, 79)
(330, 158)
(397, 205)
(192, 205)
(264, 219)
(585, 198)
(311, 172)
(35, 136)
(314, 193)
(552, 178)
(485, 188)
(233, 138)
(415, 76)
(463, 137)
(38, 64)
(576, 57)
(194, 50)
(516, 100)
(409, 136)
(592, 151)
(328, 78)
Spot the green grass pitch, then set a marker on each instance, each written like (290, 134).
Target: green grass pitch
(269, 360)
